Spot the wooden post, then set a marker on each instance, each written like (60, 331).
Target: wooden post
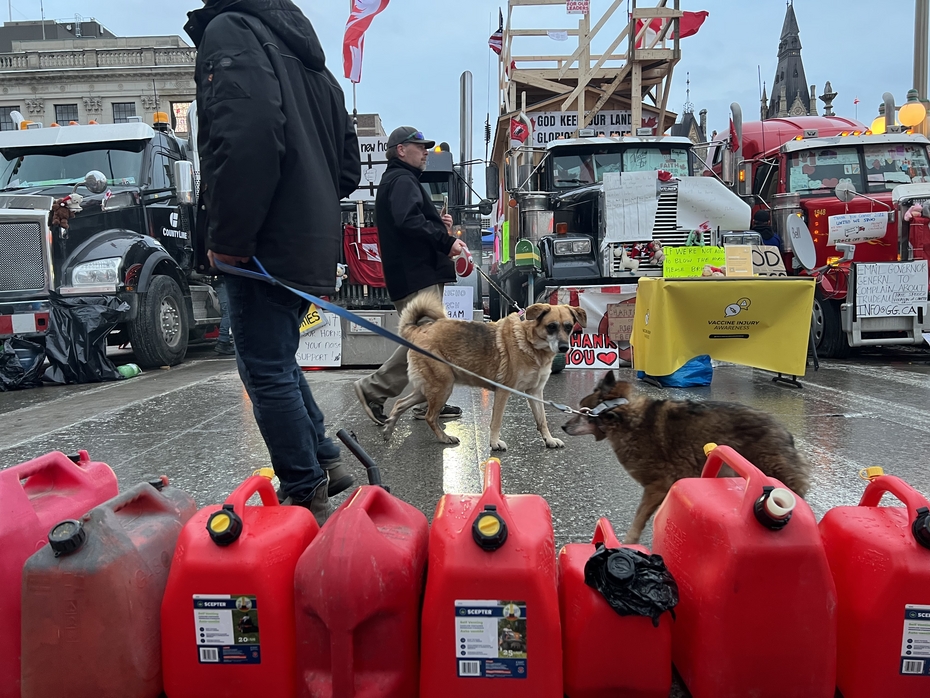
(584, 62)
(636, 98)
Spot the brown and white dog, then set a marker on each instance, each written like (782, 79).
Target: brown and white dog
(515, 352)
(661, 441)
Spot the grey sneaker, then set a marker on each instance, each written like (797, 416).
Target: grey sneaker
(447, 412)
(318, 504)
(374, 409)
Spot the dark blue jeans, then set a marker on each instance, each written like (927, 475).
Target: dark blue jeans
(220, 287)
(265, 323)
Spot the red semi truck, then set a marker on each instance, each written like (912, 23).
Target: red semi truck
(793, 167)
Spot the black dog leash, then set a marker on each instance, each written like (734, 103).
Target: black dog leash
(263, 275)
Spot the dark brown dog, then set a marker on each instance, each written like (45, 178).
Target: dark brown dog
(515, 352)
(661, 441)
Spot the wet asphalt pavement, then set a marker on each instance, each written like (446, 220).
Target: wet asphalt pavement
(194, 423)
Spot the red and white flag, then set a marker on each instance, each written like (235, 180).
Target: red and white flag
(518, 132)
(496, 41)
(688, 25)
(363, 11)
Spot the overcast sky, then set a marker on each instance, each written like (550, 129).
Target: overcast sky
(416, 50)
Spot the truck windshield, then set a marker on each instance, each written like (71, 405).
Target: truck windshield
(819, 170)
(889, 164)
(572, 170)
(32, 169)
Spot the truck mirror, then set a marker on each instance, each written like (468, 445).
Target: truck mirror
(845, 192)
(744, 179)
(485, 207)
(492, 181)
(95, 181)
(184, 181)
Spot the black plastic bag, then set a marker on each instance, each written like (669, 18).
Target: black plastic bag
(76, 343)
(633, 583)
(21, 364)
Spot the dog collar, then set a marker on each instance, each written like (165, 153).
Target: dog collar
(606, 406)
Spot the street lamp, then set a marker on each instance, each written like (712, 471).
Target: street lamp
(878, 125)
(913, 112)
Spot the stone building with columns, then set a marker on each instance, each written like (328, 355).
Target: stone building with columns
(82, 72)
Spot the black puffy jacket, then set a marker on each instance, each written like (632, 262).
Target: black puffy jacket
(277, 147)
(414, 241)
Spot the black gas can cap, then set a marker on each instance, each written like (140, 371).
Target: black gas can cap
(224, 526)
(159, 482)
(621, 567)
(66, 537)
(489, 530)
(921, 527)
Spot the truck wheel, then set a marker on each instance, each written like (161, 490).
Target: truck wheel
(558, 363)
(828, 332)
(159, 333)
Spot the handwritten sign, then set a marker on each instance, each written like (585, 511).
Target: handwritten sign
(312, 320)
(592, 351)
(857, 227)
(620, 321)
(577, 7)
(891, 289)
(459, 302)
(630, 205)
(322, 348)
(373, 155)
(739, 260)
(767, 261)
(688, 262)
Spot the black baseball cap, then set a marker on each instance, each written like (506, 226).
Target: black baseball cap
(408, 134)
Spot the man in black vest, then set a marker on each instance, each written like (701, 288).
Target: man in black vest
(416, 251)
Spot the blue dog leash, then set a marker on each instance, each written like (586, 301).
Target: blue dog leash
(263, 275)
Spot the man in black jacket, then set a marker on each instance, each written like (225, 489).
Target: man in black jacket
(416, 253)
(277, 153)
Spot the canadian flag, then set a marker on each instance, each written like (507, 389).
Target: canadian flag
(363, 11)
(688, 25)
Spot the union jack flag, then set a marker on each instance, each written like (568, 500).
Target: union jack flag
(496, 42)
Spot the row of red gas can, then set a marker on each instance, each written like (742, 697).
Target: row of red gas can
(142, 592)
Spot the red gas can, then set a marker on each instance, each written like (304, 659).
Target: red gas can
(606, 654)
(358, 589)
(757, 610)
(881, 566)
(491, 611)
(227, 619)
(34, 496)
(95, 591)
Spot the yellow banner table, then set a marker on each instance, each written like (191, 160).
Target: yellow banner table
(759, 322)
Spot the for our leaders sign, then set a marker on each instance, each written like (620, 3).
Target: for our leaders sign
(578, 7)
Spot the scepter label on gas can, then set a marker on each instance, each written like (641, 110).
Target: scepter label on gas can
(227, 629)
(491, 639)
(915, 647)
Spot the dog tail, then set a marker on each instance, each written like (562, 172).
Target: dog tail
(424, 307)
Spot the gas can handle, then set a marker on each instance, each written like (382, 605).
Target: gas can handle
(718, 456)
(604, 533)
(144, 491)
(53, 461)
(910, 497)
(492, 475)
(253, 484)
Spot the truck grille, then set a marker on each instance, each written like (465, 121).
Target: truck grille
(21, 250)
(365, 297)
(665, 230)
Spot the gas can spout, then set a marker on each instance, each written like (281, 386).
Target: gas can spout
(774, 507)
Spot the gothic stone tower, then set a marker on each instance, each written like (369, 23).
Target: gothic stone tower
(790, 96)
